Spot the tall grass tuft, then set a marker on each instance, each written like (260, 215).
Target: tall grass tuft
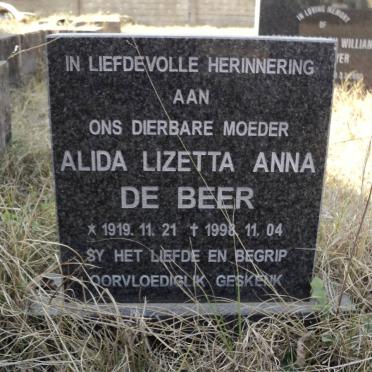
(74, 341)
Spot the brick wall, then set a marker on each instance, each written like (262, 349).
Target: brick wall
(238, 13)
(45, 7)
(154, 12)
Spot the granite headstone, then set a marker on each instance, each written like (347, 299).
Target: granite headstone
(189, 166)
(350, 21)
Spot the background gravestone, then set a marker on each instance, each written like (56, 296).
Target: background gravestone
(9, 51)
(127, 199)
(32, 56)
(350, 21)
(107, 23)
(5, 119)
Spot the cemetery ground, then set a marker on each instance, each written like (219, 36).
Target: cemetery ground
(68, 341)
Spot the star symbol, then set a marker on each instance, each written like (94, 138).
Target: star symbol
(92, 229)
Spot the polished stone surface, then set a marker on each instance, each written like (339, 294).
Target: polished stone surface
(350, 21)
(279, 178)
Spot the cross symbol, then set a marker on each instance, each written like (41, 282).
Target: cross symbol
(194, 227)
(92, 229)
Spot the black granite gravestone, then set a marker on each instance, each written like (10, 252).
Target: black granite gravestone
(350, 21)
(190, 167)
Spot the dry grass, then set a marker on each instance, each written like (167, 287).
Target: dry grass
(50, 22)
(350, 156)
(74, 342)
(13, 27)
